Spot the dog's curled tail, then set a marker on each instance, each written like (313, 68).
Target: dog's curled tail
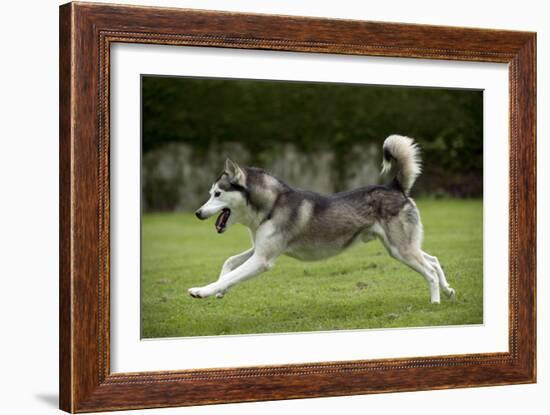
(402, 159)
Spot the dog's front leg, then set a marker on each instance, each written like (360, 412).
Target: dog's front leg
(267, 247)
(231, 263)
(235, 261)
(253, 266)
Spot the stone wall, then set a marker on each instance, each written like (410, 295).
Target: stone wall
(177, 178)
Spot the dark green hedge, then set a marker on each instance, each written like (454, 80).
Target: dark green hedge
(447, 123)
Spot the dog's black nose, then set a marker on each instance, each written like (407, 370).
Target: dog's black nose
(198, 214)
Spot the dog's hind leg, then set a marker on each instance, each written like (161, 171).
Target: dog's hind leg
(447, 289)
(402, 240)
(416, 261)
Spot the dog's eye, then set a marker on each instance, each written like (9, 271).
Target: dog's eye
(217, 194)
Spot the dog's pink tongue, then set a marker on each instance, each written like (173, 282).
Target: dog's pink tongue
(220, 221)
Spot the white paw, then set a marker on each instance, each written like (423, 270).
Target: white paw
(206, 291)
(198, 292)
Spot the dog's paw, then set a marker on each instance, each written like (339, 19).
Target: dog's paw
(452, 294)
(197, 292)
(206, 291)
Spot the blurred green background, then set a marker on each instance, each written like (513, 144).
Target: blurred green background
(320, 136)
(316, 136)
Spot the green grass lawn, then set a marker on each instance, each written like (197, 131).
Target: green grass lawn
(361, 288)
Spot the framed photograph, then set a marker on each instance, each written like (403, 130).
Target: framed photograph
(258, 207)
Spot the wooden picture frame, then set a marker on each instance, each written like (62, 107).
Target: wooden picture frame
(86, 33)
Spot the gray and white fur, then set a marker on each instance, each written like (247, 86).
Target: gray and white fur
(311, 226)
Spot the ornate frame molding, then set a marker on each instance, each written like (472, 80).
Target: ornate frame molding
(86, 33)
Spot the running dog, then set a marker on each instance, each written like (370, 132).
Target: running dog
(311, 226)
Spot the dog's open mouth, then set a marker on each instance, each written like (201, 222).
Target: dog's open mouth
(221, 222)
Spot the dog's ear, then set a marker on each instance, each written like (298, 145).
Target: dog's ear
(235, 173)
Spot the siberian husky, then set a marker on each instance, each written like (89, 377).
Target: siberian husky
(311, 226)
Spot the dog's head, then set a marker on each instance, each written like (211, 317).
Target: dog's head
(228, 197)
